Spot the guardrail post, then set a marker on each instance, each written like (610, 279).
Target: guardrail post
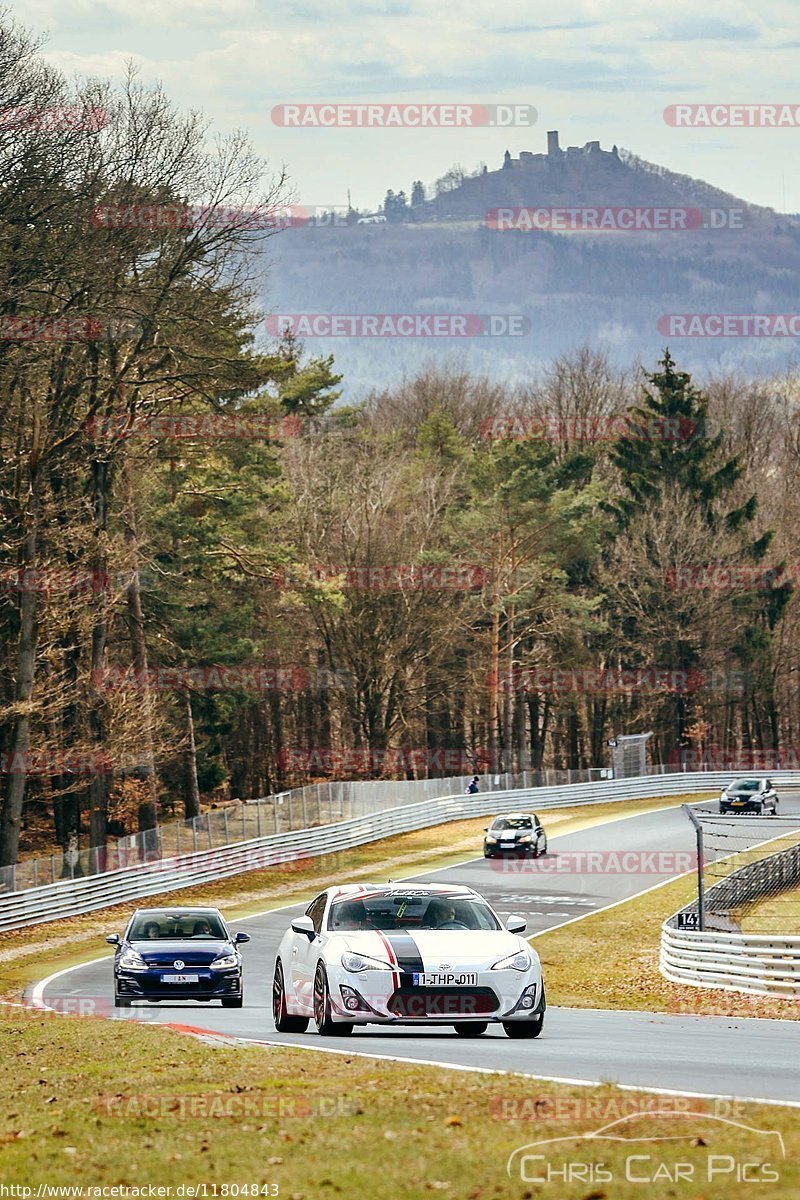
(275, 812)
(258, 818)
(244, 823)
(208, 829)
(194, 832)
(305, 813)
(36, 872)
(52, 868)
(291, 822)
(319, 804)
(698, 829)
(225, 823)
(177, 837)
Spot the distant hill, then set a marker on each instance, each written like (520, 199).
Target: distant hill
(603, 288)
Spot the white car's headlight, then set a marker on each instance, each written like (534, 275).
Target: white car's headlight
(515, 962)
(131, 961)
(362, 962)
(526, 837)
(490, 839)
(224, 961)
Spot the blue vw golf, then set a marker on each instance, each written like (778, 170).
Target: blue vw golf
(178, 954)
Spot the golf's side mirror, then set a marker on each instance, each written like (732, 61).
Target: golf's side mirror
(242, 937)
(113, 939)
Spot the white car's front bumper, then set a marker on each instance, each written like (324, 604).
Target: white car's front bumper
(370, 997)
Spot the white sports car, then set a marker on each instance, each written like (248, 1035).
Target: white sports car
(396, 953)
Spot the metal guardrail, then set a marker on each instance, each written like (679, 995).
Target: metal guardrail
(299, 808)
(762, 964)
(70, 897)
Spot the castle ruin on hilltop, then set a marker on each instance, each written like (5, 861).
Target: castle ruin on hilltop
(555, 155)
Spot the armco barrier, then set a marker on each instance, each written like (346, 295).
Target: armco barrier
(762, 964)
(73, 896)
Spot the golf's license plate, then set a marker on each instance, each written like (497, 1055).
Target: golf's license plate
(439, 979)
(507, 845)
(180, 978)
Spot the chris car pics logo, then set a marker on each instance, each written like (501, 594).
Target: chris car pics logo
(673, 1148)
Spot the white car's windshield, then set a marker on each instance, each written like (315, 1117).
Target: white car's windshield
(746, 785)
(409, 910)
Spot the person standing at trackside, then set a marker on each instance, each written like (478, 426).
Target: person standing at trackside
(472, 788)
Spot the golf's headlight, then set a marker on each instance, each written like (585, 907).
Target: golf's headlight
(224, 961)
(132, 961)
(490, 839)
(526, 837)
(515, 962)
(362, 962)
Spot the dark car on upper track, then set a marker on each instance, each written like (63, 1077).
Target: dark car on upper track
(752, 795)
(178, 954)
(515, 833)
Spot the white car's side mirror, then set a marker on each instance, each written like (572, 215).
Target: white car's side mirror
(304, 925)
(516, 924)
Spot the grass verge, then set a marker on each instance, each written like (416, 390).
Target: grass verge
(91, 1103)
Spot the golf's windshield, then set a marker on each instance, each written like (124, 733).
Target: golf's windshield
(512, 823)
(410, 910)
(746, 785)
(180, 926)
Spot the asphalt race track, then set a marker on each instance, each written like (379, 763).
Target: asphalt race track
(744, 1058)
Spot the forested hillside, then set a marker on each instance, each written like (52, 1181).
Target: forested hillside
(217, 579)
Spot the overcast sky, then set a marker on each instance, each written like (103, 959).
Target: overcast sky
(596, 69)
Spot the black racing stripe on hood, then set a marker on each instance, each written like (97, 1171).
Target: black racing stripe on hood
(406, 952)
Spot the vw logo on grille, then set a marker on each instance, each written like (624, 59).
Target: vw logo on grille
(179, 964)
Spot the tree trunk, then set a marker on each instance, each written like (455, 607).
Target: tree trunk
(11, 815)
(191, 795)
(148, 808)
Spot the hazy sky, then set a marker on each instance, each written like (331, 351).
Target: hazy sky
(592, 69)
